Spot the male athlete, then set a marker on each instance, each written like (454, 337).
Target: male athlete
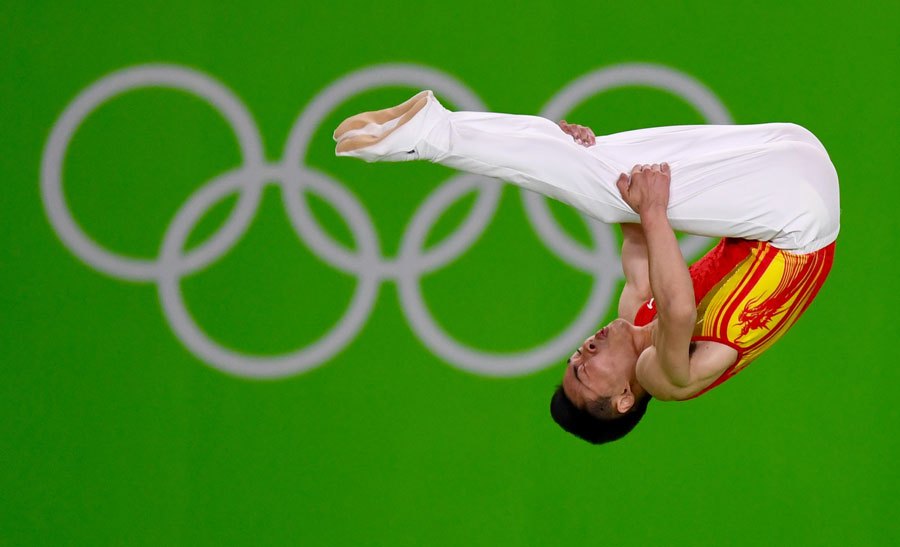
(770, 191)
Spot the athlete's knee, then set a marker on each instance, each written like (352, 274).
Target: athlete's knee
(798, 133)
(801, 158)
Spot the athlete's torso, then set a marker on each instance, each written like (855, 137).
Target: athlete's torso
(748, 294)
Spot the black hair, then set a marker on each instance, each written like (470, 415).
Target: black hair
(589, 426)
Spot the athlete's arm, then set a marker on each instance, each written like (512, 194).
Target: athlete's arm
(664, 369)
(636, 267)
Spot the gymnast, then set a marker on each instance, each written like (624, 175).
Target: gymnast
(769, 191)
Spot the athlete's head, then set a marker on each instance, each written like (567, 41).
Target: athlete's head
(600, 399)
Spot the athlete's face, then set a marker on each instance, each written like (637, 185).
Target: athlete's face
(604, 366)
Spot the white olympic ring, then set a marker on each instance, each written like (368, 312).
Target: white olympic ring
(366, 262)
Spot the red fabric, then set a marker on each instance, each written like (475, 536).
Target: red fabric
(718, 263)
(706, 272)
(828, 255)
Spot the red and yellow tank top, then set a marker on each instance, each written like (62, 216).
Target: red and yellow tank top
(748, 294)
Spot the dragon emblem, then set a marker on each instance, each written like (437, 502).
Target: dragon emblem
(760, 311)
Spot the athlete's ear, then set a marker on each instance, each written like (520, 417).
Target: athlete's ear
(624, 401)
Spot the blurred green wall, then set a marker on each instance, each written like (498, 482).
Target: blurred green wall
(117, 431)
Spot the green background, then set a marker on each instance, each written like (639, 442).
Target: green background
(113, 432)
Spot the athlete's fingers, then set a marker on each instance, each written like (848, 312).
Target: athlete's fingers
(586, 136)
(636, 169)
(645, 167)
(577, 132)
(655, 167)
(622, 185)
(665, 168)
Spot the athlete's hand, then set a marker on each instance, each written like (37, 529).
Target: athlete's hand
(582, 135)
(647, 190)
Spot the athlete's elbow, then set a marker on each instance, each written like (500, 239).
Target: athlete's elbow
(679, 380)
(663, 394)
(672, 391)
(677, 389)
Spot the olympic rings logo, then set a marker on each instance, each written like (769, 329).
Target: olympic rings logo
(366, 262)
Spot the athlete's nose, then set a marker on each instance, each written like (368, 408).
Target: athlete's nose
(589, 345)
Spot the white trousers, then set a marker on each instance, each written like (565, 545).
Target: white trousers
(769, 182)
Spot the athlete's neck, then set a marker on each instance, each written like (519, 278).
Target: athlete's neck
(643, 337)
